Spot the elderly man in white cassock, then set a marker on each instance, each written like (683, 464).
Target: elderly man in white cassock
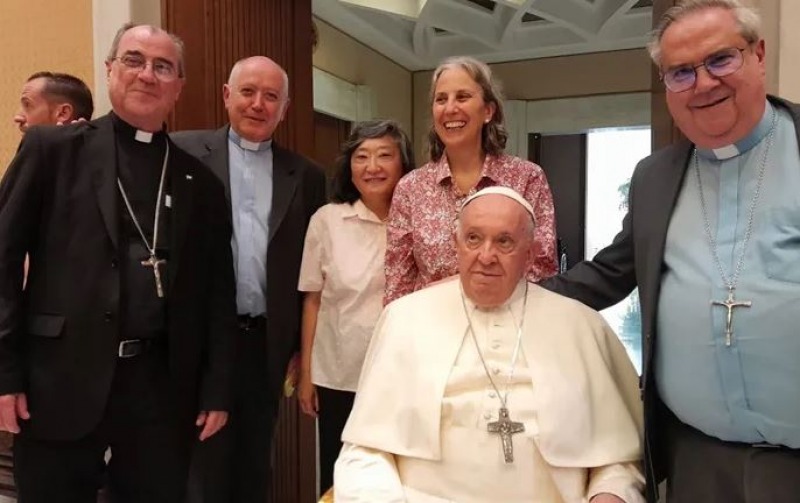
(487, 388)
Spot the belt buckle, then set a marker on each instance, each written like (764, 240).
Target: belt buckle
(132, 343)
(248, 323)
(765, 445)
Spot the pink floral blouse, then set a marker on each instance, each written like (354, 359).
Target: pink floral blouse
(420, 248)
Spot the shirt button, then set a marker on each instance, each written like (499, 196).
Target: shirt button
(492, 394)
(495, 371)
(108, 316)
(487, 415)
(495, 345)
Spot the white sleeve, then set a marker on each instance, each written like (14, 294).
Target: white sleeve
(622, 480)
(363, 475)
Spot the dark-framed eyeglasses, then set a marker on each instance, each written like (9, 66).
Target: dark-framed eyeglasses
(164, 70)
(720, 64)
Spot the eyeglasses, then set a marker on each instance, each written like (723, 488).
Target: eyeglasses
(162, 69)
(719, 64)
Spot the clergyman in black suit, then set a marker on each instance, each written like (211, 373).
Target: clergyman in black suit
(711, 240)
(122, 338)
(273, 193)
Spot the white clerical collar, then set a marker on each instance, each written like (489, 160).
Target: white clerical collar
(143, 136)
(247, 144)
(516, 296)
(740, 147)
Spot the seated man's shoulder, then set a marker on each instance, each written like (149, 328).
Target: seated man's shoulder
(560, 306)
(428, 298)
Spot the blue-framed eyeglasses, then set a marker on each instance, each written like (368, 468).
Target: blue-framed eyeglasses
(720, 64)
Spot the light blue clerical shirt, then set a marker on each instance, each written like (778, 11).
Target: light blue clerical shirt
(748, 391)
(251, 199)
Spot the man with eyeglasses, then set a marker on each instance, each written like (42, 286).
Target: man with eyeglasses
(122, 336)
(711, 241)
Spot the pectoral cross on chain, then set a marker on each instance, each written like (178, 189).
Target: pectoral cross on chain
(155, 263)
(505, 427)
(730, 303)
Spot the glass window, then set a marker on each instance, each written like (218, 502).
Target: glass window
(611, 156)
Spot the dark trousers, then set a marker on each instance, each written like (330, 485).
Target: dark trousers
(150, 449)
(234, 465)
(706, 469)
(334, 409)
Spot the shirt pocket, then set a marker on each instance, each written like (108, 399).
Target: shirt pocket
(780, 247)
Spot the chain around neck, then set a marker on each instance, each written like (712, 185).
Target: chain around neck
(732, 281)
(150, 248)
(502, 397)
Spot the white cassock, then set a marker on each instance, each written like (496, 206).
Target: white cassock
(418, 430)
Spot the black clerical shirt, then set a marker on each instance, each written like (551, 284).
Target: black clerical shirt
(139, 164)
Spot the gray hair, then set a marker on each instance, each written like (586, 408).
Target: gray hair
(493, 134)
(342, 186)
(112, 53)
(238, 66)
(746, 17)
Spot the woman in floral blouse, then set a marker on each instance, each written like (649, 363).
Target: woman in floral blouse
(466, 143)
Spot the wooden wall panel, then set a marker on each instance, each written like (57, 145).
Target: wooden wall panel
(217, 33)
(330, 133)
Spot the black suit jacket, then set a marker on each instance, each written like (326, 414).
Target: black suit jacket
(59, 203)
(298, 191)
(636, 258)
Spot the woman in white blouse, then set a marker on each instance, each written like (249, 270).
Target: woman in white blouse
(343, 278)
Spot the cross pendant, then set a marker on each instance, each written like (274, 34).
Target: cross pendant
(730, 304)
(505, 427)
(155, 262)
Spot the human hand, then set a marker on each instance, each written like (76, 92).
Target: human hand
(606, 498)
(13, 406)
(211, 421)
(292, 376)
(74, 121)
(307, 397)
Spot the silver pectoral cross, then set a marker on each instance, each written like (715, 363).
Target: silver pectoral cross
(155, 263)
(730, 303)
(505, 427)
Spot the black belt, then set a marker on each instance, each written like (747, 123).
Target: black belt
(775, 447)
(677, 427)
(134, 347)
(249, 323)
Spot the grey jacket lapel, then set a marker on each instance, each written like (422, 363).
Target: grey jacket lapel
(667, 187)
(216, 158)
(284, 185)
